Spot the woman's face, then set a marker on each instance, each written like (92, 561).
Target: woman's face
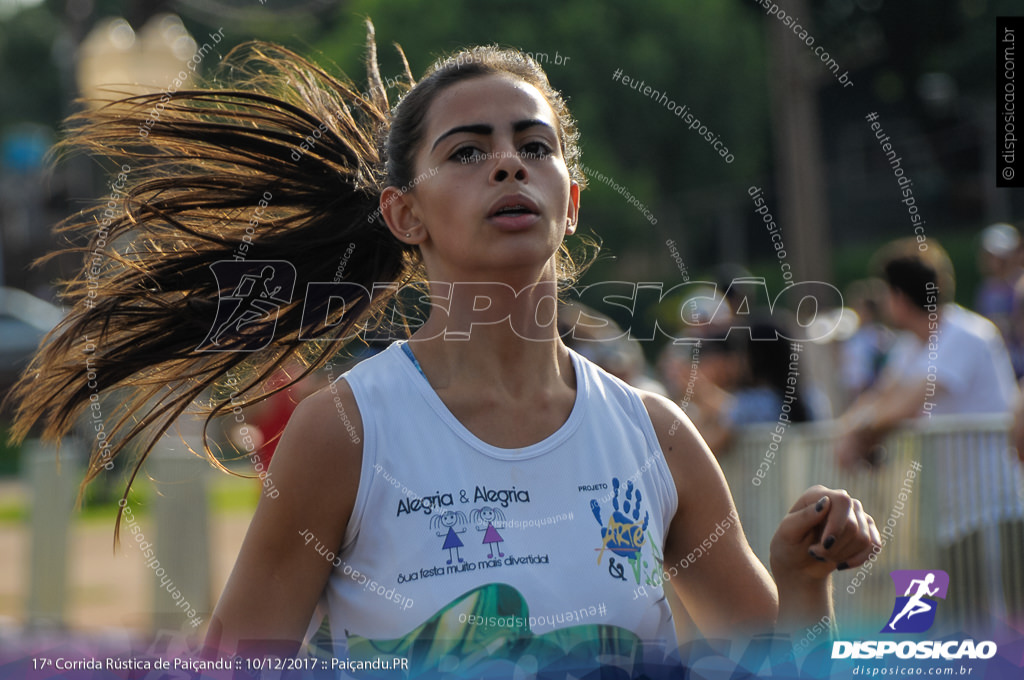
(494, 193)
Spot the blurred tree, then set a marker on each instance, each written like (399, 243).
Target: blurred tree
(703, 54)
(709, 55)
(29, 86)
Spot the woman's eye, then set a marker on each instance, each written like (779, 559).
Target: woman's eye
(535, 150)
(468, 154)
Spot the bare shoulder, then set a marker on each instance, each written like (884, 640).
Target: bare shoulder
(726, 589)
(321, 447)
(679, 439)
(328, 412)
(309, 493)
(697, 475)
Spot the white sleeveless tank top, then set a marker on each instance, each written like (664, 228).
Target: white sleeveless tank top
(464, 548)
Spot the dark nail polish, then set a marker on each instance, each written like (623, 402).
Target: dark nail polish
(821, 504)
(829, 542)
(815, 556)
(841, 566)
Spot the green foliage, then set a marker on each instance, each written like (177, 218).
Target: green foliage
(710, 55)
(705, 54)
(10, 455)
(28, 79)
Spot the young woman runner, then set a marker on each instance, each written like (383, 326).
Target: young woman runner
(483, 431)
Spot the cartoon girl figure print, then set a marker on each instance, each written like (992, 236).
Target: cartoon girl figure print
(449, 519)
(491, 536)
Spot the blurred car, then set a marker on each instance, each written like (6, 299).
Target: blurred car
(24, 320)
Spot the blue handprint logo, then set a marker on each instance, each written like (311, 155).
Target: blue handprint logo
(624, 534)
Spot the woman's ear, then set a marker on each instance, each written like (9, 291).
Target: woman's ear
(399, 213)
(572, 218)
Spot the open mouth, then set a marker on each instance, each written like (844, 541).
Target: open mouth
(515, 205)
(513, 211)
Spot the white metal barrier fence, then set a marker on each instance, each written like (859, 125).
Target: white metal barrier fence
(963, 462)
(178, 535)
(946, 495)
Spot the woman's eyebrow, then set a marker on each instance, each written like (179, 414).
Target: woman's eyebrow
(478, 129)
(521, 125)
(484, 129)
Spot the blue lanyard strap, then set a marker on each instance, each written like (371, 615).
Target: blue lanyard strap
(412, 357)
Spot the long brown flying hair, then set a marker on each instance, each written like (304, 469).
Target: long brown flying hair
(195, 165)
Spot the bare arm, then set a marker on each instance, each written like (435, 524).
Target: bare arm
(875, 414)
(725, 588)
(881, 411)
(712, 402)
(279, 575)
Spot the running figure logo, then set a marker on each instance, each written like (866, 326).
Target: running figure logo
(914, 611)
(258, 290)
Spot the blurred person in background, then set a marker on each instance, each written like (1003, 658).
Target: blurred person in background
(1015, 338)
(767, 368)
(712, 371)
(1018, 427)
(863, 354)
(949, 360)
(748, 381)
(675, 369)
(604, 342)
(702, 371)
(726, 275)
(999, 262)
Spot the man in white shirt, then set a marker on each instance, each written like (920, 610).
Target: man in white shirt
(949, 361)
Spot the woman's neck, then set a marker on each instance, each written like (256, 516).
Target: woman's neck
(488, 333)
